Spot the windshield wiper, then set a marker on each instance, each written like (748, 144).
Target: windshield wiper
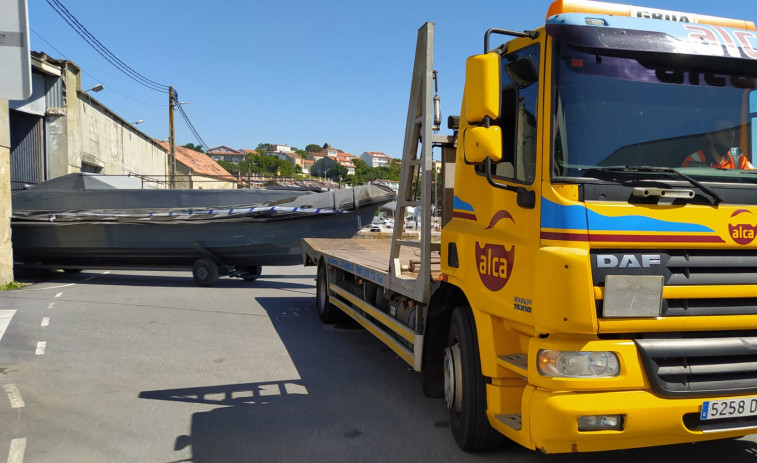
(717, 199)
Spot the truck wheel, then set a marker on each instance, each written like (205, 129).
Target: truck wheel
(252, 273)
(326, 310)
(205, 272)
(465, 388)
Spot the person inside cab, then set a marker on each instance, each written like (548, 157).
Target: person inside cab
(720, 152)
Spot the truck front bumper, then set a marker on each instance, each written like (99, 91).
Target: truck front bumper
(648, 420)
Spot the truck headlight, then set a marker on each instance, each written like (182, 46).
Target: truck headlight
(578, 364)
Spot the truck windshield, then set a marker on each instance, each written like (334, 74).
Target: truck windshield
(619, 111)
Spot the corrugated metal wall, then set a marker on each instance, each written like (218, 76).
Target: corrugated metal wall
(54, 92)
(28, 142)
(27, 148)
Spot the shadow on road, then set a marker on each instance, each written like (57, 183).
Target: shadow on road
(159, 279)
(356, 401)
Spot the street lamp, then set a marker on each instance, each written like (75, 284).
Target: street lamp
(137, 122)
(95, 89)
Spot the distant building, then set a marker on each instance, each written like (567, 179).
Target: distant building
(375, 158)
(288, 156)
(224, 153)
(196, 170)
(323, 160)
(307, 166)
(281, 148)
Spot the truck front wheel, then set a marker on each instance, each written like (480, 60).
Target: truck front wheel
(464, 386)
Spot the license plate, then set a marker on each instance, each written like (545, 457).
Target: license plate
(729, 408)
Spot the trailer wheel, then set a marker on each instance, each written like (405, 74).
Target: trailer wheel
(465, 388)
(252, 273)
(205, 272)
(326, 310)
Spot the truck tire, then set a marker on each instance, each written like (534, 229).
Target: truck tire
(326, 310)
(205, 272)
(464, 386)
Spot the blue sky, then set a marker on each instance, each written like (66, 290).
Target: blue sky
(291, 72)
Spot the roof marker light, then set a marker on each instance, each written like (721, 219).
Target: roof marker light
(614, 9)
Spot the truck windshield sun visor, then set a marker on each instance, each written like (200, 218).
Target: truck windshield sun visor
(690, 115)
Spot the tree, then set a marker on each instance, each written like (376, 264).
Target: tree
(313, 148)
(263, 147)
(359, 164)
(229, 166)
(337, 172)
(192, 146)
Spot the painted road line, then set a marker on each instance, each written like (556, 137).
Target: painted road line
(50, 287)
(14, 396)
(18, 448)
(59, 295)
(51, 305)
(5, 320)
(45, 321)
(41, 347)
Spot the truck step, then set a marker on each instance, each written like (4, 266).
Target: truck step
(515, 362)
(513, 421)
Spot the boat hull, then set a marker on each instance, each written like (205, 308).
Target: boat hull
(237, 242)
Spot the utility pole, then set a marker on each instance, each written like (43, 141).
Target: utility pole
(171, 141)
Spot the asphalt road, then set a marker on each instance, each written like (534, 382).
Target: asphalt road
(147, 367)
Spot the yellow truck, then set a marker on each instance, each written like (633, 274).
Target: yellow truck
(594, 282)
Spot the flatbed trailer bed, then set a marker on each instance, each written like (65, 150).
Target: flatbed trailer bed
(369, 259)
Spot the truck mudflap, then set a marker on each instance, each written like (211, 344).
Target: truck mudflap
(645, 420)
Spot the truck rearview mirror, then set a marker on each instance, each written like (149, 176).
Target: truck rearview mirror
(522, 71)
(482, 87)
(483, 142)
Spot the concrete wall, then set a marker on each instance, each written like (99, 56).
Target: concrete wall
(6, 251)
(100, 138)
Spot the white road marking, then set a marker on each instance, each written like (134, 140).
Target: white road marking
(14, 396)
(51, 305)
(41, 347)
(18, 447)
(50, 287)
(59, 295)
(5, 319)
(45, 321)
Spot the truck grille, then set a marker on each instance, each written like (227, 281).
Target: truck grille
(696, 366)
(685, 268)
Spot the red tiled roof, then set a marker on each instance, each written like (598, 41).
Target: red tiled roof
(199, 163)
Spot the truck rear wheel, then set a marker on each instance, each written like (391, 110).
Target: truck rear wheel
(326, 310)
(464, 386)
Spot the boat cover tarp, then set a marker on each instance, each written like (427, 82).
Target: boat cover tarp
(85, 191)
(147, 205)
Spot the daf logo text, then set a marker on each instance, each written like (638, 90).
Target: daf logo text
(627, 260)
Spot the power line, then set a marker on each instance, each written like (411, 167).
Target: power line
(188, 122)
(101, 49)
(90, 75)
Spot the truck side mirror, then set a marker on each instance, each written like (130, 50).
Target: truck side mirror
(482, 87)
(483, 142)
(481, 103)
